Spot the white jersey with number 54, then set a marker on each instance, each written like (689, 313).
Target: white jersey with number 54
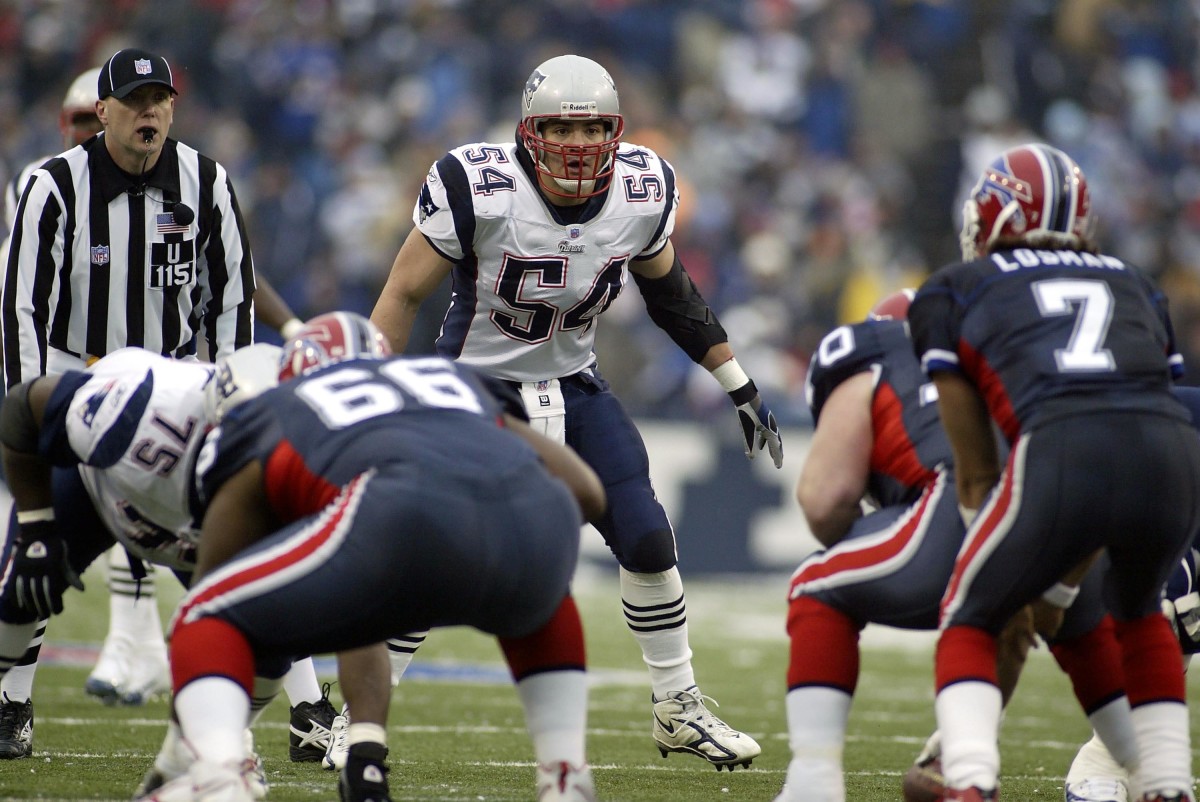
(530, 278)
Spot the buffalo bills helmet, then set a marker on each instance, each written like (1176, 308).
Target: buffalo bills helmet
(571, 88)
(332, 337)
(893, 306)
(1029, 193)
(240, 376)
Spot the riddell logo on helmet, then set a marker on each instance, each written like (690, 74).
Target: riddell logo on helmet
(572, 108)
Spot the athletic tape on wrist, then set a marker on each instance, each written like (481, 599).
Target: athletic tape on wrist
(730, 376)
(35, 516)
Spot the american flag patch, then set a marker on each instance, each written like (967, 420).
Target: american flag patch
(167, 224)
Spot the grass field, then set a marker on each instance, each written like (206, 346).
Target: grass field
(459, 735)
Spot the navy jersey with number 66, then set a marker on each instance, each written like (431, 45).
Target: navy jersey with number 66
(316, 433)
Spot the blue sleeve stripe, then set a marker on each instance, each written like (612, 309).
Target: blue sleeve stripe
(462, 204)
(115, 442)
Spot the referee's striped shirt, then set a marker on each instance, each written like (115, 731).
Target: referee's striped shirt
(98, 262)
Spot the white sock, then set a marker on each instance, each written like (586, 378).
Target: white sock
(300, 683)
(555, 705)
(657, 617)
(1165, 757)
(1113, 724)
(213, 713)
(968, 717)
(133, 609)
(401, 652)
(817, 733)
(366, 734)
(265, 691)
(16, 643)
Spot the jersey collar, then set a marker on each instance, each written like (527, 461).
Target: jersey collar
(111, 180)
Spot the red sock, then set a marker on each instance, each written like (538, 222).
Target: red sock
(211, 647)
(824, 646)
(1093, 662)
(965, 653)
(558, 645)
(1153, 665)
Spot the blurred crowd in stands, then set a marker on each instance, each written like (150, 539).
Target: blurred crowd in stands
(823, 146)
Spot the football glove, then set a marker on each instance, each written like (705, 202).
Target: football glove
(759, 429)
(40, 572)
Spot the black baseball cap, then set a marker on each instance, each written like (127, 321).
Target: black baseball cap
(130, 68)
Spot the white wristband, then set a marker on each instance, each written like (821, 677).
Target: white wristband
(730, 376)
(967, 514)
(34, 516)
(289, 329)
(1061, 595)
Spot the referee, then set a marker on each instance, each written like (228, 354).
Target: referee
(131, 238)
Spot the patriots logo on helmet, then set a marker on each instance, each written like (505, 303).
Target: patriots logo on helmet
(531, 86)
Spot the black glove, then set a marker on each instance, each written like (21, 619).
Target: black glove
(758, 423)
(40, 572)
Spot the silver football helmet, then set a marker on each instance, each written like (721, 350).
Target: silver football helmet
(571, 88)
(240, 376)
(77, 119)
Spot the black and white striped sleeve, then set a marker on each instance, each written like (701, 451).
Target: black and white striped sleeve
(227, 268)
(37, 241)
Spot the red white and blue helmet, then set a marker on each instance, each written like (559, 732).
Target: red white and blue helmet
(329, 338)
(1029, 192)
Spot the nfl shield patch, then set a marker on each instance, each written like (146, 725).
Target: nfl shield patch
(141, 66)
(99, 255)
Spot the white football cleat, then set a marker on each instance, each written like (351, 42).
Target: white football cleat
(682, 723)
(176, 757)
(1096, 790)
(1095, 776)
(210, 782)
(562, 782)
(339, 746)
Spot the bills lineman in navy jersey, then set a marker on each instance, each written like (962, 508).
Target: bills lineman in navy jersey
(1071, 355)
(402, 477)
(541, 235)
(877, 439)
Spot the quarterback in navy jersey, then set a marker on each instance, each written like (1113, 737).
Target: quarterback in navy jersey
(1071, 355)
(540, 236)
(404, 478)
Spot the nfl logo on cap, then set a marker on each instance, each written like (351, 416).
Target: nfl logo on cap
(142, 66)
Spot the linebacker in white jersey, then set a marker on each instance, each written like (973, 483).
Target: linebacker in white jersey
(106, 455)
(541, 236)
